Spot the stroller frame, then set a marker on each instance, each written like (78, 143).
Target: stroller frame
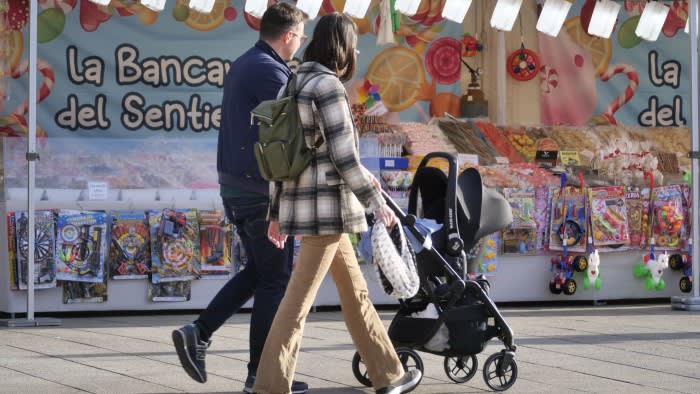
(461, 303)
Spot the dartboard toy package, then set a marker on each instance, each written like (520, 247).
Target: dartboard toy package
(568, 219)
(214, 244)
(174, 291)
(668, 227)
(81, 246)
(174, 245)
(130, 251)
(44, 244)
(84, 292)
(609, 226)
(521, 236)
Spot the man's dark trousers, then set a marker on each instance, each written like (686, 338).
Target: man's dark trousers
(265, 276)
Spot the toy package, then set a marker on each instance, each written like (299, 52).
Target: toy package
(174, 291)
(81, 246)
(174, 245)
(645, 196)
(568, 219)
(543, 209)
(635, 212)
(130, 252)
(609, 225)
(84, 292)
(521, 236)
(668, 217)
(44, 244)
(214, 244)
(489, 254)
(12, 250)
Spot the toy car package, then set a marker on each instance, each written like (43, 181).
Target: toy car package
(214, 244)
(521, 236)
(12, 250)
(44, 244)
(635, 213)
(568, 219)
(84, 292)
(608, 216)
(81, 246)
(174, 291)
(130, 252)
(174, 245)
(668, 217)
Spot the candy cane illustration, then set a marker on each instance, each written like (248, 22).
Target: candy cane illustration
(45, 88)
(626, 96)
(549, 79)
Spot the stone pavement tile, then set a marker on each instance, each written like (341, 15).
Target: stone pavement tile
(21, 381)
(596, 348)
(35, 356)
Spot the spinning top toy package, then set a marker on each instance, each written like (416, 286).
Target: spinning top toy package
(130, 252)
(174, 245)
(81, 246)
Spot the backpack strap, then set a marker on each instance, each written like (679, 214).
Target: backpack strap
(315, 74)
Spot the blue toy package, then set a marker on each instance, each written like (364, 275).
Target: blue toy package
(81, 246)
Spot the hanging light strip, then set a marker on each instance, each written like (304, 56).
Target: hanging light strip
(309, 7)
(407, 7)
(552, 16)
(356, 8)
(652, 20)
(256, 8)
(505, 13)
(456, 10)
(101, 2)
(155, 5)
(203, 6)
(603, 18)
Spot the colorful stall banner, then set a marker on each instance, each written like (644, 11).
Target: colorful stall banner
(624, 79)
(124, 70)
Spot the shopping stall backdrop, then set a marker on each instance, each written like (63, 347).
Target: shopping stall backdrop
(585, 79)
(126, 71)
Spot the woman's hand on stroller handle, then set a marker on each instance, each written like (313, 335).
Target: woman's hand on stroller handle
(385, 215)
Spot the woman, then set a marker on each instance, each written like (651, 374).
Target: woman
(323, 205)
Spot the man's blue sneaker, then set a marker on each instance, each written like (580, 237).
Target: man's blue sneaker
(297, 387)
(191, 350)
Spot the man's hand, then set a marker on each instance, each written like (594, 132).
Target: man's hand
(273, 234)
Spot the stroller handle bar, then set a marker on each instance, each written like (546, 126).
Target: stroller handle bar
(455, 243)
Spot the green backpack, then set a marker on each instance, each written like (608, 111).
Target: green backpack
(281, 151)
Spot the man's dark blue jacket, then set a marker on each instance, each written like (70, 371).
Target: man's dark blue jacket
(255, 76)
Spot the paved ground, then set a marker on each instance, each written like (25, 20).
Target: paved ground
(632, 348)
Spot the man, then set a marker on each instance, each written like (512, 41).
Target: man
(255, 76)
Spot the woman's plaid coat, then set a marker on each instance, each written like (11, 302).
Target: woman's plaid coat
(333, 193)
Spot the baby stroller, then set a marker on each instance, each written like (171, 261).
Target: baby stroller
(463, 305)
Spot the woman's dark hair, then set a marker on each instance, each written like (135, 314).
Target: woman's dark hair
(279, 19)
(333, 44)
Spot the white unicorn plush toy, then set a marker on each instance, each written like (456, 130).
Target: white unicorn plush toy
(593, 271)
(656, 270)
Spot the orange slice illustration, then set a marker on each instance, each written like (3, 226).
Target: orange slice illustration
(399, 73)
(206, 22)
(600, 49)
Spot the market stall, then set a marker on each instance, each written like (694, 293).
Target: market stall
(126, 135)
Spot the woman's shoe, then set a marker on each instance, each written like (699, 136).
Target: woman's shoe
(407, 383)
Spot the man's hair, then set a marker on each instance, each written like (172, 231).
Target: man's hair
(279, 19)
(333, 44)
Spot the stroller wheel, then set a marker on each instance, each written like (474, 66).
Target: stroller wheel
(461, 369)
(499, 377)
(359, 369)
(409, 359)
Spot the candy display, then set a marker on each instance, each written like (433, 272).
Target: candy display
(81, 246)
(174, 245)
(130, 253)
